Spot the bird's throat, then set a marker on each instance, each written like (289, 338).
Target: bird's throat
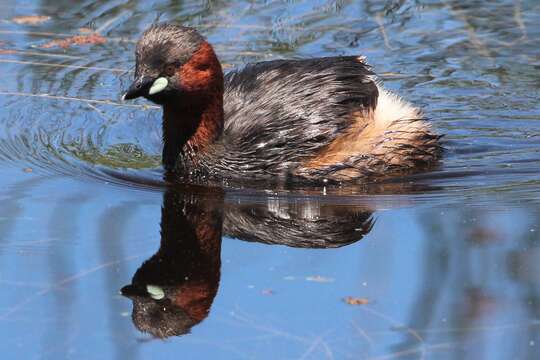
(189, 130)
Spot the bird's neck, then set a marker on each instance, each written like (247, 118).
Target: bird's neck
(190, 127)
(194, 120)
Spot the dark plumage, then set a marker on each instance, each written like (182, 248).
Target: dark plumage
(317, 119)
(280, 113)
(305, 224)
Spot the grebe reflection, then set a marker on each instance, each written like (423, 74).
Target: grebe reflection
(174, 289)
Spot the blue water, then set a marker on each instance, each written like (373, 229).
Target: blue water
(447, 261)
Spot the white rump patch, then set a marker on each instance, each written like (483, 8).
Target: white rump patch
(391, 107)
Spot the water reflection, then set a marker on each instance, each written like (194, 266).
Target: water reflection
(174, 289)
(453, 273)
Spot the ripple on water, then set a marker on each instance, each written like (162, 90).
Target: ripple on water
(477, 80)
(455, 272)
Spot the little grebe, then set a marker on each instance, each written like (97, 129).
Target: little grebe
(314, 119)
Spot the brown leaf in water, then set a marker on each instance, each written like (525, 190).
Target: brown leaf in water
(84, 30)
(28, 170)
(90, 39)
(319, 278)
(267, 292)
(356, 301)
(5, 51)
(30, 20)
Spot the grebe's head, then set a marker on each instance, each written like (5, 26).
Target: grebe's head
(172, 63)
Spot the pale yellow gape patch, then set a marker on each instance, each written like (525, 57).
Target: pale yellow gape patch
(155, 292)
(159, 85)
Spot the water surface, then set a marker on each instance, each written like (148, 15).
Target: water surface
(444, 264)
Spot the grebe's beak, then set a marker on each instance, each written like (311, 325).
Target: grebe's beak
(145, 86)
(140, 87)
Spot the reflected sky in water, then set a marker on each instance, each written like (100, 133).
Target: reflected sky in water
(459, 280)
(98, 260)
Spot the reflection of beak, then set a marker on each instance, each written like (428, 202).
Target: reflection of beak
(132, 291)
(140, 87)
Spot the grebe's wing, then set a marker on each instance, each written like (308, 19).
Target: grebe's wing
(285, 110)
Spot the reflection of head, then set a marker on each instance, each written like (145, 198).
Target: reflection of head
(161, 318)
(174, 289)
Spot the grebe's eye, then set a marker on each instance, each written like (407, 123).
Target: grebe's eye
(170, 70)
